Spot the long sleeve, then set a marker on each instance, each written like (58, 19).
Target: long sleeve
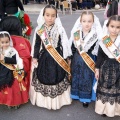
(10, 60)
(19, 4)
(100, 58)
(37, 46)
(73, 48)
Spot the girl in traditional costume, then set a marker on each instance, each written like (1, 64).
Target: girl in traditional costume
(84, 41)
(107, 70)
(12, 86)
(50, 87)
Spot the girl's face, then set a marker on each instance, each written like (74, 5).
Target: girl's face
(87, 22)
(114, 28)
(4, 43)
(50, 16)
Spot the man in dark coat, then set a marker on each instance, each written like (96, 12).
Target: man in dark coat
(11, 6)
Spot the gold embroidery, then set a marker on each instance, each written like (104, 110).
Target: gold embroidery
(19, 75)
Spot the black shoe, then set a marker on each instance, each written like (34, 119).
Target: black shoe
(85, 105)
(104, 115)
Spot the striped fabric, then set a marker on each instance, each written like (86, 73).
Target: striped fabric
(87, 59)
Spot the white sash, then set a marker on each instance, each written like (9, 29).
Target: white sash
(112, 48)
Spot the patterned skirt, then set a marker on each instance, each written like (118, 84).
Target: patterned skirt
(82, 80)
(108, 90)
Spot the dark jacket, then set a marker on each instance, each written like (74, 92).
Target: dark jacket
(1, 9)
(11, 24)
(11, 6)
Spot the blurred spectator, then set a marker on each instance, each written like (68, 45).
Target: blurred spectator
(11, 6)
(25, 2)
(51, 2)
(87, 4)
(74, 4)
(97, 2)
(112, 8)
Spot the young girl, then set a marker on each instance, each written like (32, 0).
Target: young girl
(107, 70)
(84, 36)
(50, 87)
(12, 86)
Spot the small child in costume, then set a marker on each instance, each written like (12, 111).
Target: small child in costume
(12, 86)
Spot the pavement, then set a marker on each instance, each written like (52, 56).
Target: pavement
(33, 7)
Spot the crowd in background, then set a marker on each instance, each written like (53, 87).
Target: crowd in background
(79, 3)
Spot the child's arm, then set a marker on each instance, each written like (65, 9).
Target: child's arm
(36, 49)
(100, 59)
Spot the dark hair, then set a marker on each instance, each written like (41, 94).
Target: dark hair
(113, 8)
(115, 18)
(2, 35)
(49, 6)
(87, 13)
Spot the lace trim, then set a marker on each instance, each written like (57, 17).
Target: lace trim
(109, 99)
(108, 89)
(90, 42)
(9, 52)
(53, 35)
(50, 90)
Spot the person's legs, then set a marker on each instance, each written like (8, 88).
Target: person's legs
(78, 4)
(57, 4)
(74, 5)
(51, 2)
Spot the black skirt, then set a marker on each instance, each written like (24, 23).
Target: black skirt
(108, 89)
(49, 72)
(6, 77)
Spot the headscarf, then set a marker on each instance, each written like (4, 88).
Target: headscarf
(3, 32)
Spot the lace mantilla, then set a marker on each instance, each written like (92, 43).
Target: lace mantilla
(53, 34)
(50, 90)
(9, 52)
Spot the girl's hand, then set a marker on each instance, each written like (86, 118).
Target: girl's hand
(2, 57)
(97, 74)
